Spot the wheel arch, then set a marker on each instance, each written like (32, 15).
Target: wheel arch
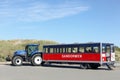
(37, 53)
(19, 56)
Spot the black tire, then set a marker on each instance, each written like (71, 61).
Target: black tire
(84, 66)
(94, 66)
(17, 61)
(36, 60)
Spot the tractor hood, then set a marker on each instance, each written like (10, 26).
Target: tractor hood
(20, 52)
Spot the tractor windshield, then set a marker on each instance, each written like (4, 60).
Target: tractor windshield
(31, 48)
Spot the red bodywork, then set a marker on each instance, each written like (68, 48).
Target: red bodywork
(77, 57)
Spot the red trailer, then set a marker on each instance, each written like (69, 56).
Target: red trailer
(88, 55)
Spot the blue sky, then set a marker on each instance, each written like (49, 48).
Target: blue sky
(64, 21)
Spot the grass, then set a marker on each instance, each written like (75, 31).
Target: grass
(8, 47)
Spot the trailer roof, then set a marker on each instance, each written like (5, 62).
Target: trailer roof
(77, 44)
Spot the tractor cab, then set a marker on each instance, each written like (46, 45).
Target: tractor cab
(31, 49)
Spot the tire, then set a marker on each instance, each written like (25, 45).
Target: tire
(94, 66)
(36, 60)
(17, 61)
(84, 66)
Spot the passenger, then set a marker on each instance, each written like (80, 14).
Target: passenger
(94, 51)
(86, 51)
(89, 51)
(79, 51)
(74, 51)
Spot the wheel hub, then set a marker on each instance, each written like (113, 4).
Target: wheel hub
(18, 61)
(38, 60)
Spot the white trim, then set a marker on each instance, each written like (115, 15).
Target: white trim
(112, 56)
(101, 53)
(71, 61)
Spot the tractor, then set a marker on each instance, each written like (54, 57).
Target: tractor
(30, 54)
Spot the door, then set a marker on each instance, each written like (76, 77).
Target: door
(108, 53)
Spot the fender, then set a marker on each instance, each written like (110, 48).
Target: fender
(36, 52)
(20, 53)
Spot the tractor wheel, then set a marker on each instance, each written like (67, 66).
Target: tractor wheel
(36, 60)
(17, 61)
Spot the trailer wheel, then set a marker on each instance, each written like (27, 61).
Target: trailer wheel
(94, 66)
(84, 66)
(36, 60)
(17, 61)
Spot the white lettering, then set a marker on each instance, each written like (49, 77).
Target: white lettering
(71, 56)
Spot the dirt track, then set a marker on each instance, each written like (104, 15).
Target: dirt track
(56, 72)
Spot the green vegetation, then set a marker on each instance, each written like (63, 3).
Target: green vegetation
(8, 47)
(117, 51)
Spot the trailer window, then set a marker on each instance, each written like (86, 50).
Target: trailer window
(69, 50)
(103, 49)
(54, 50)
(81, 49)
(112, 49)
(88, 49)
(74, 50)
(108, 49)
(45, 50)
(64, 50)
(96, 50)
(51, 50)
